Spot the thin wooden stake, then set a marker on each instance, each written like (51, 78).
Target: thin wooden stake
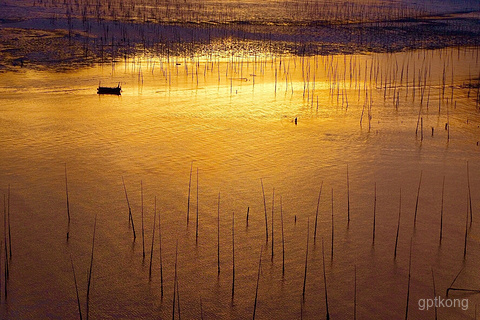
(333, 227)
(233, 254)
(306, 261)
(455, 279)
(175, 282)
(153, 239)
(434, 292)
(469, 196)
(178, 300)
(283, 239)
(416, 203)
(189, 187)
(374, 212)
(8, 217)
(398, 224)
(265, 208)
(441, 211)
(348, 197)
(273, 207)
(325, 281)
(409, 276)
(160, 254)
(421, 129)
(218, 235)
(196, 223)
(316, 214)
(143, 229)
(68, 204)
(258, 281)
(466, 234)
(7, 271)
(1, 244)
(130, 217)
(76, 289)
(91, 266)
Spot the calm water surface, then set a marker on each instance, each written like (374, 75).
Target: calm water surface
(232, 120)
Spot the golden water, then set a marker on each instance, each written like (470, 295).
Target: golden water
(234, 117)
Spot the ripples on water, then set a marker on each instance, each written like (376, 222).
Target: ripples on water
(236, 133)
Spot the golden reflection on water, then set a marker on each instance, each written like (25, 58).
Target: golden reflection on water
(235, 118)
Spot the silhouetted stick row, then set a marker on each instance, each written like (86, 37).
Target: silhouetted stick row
(176, 301)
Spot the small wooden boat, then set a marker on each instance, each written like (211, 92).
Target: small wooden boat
(110, 90)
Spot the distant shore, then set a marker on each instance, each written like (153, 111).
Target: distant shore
(63, 37)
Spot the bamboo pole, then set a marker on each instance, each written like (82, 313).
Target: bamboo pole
(273, 207)
(333, 227)
(258, 280)
(143, 229)
(398, 224)
(441, 211)
(233, 254)
(76, 289)
(8, 218)
(130, 217)
(189, 187)
(175, 282)
(178, 300)
(316, 214)
(434, 292)
(466, 234)
(306, 261)
(265, 208)
(7, 270)
(348, 197)
(374, 212)
(469, 196)
(455, 279)
(91, 266)
(1, 244)
(153, 239)
(160, 254)
(68, 204)
(416, 203)
(325, 281)
(196, 223)
(409, 276)
(283, 239)
(218, 235)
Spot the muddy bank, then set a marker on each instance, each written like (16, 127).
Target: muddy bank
(53, 36)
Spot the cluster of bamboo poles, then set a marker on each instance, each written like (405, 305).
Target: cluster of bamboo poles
(269, 241)
(410, 80)
(198, 11)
